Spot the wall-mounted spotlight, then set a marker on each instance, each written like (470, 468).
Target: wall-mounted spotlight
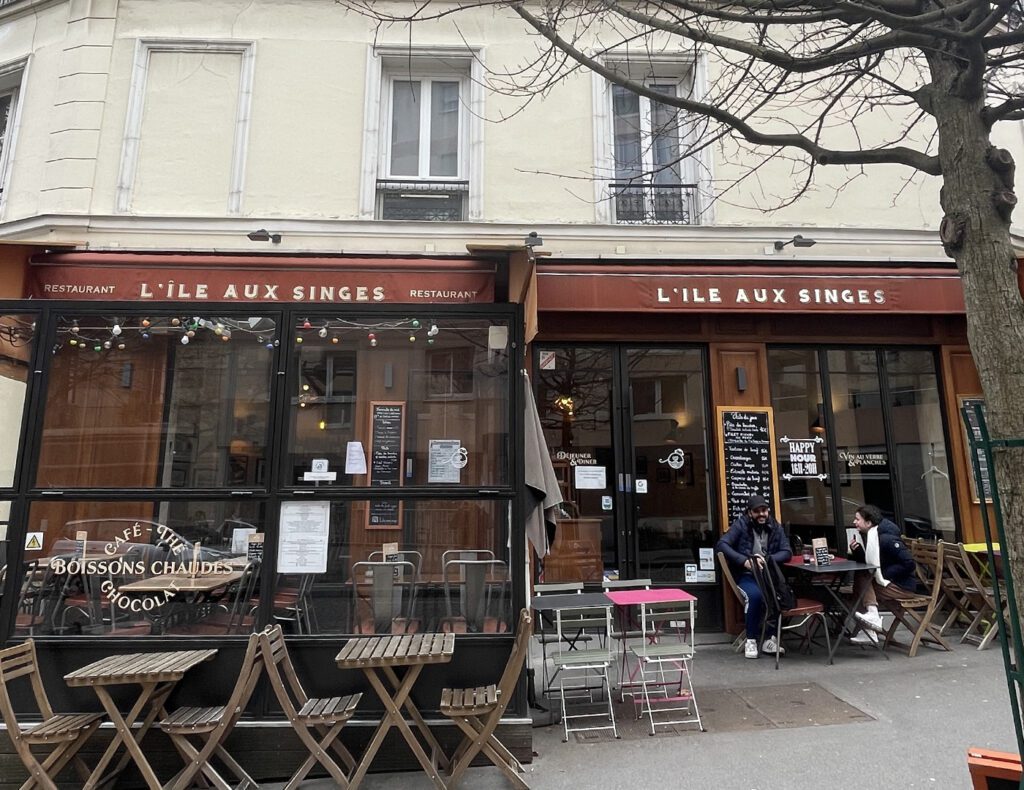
(533, 240)
(796, 241)
(264, 235)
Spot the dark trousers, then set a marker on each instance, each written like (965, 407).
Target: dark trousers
(755, 607)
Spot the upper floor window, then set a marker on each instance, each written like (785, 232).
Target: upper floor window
(650, 180)
(10, 84)
(427, 135)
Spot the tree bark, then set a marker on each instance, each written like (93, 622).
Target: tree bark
(974, 191)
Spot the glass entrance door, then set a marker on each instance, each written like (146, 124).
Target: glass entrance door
(626, 431)
(671, 518)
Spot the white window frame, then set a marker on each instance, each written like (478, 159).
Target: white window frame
(425, 79)
(690, 78)
(144, 49)
(16, 73)
(387, 64)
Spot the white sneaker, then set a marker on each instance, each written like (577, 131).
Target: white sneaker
(750, 649)
(771, 645)
(872, 620)
(864, 638)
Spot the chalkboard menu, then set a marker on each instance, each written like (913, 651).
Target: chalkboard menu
(967, 405)
(387, 437)
(746, 458)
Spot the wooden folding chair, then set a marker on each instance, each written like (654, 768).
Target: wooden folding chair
(65, 732)
(916, 614)
(214, 724)
(984, 625)
(309, 717)
(477, 712)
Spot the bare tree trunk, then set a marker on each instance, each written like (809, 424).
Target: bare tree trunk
(977, 197)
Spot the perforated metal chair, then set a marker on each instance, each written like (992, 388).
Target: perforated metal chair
(385, 600)
(476, 596)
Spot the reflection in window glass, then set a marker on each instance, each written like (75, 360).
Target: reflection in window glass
(414, 401)
(177, 402)
(445, 567)
(140, 568)
(805, 498)
(864, 465)
(920, 444)
(17, 333)
(192, 568)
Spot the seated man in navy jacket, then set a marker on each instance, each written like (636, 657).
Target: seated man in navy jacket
(752, 537)
(879, 543)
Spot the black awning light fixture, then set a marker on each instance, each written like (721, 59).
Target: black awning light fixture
(264, 235)
(796, 241)
(533, 240)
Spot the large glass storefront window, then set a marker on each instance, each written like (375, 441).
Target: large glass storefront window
(392, 414)
(874, 417)
(193, 568)
(17, 333)
(157, 401)
(140, 568)
(442, 384)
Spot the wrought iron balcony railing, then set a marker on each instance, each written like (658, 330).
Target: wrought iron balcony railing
(425, 201)
(654, 204)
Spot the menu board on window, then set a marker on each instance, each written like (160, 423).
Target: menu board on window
(972, 427)
(387, 450)
(746, 458)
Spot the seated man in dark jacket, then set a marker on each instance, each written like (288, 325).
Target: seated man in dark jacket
(752, 537)
(880, 543)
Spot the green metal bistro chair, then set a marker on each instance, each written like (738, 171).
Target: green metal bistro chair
(666, 648)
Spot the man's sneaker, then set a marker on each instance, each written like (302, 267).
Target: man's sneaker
(771, 645)
(750, 648)
(872, 620)
(864, 638)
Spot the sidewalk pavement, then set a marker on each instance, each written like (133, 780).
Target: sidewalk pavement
(910, 721)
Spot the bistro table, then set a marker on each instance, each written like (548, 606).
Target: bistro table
(156, 674)
(830, 577)
(380, 655)
(624, 599)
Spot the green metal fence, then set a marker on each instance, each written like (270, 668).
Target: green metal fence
(983, 447)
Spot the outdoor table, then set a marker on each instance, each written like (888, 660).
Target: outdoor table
(831, 578)
(979, 551)
(623, 599)
(379, 656)
(156, 674)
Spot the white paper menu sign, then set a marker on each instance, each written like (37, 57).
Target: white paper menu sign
(590, 477)
(355, 459)
(302, 537)
(443, 455)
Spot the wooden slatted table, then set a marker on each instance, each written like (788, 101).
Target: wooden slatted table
(156, 674)
(378, 657)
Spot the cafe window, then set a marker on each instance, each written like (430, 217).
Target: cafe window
(412, 401)
(17, 336)
(126, 568)
(860, 426)
(192, 568)
(167, 401)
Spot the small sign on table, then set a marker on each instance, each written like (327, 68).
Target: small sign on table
(821, 555)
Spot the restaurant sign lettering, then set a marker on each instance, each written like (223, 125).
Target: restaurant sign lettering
(253, 285)
(115, 562)
(760, 289)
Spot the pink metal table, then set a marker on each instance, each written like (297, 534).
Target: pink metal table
(623, 599)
